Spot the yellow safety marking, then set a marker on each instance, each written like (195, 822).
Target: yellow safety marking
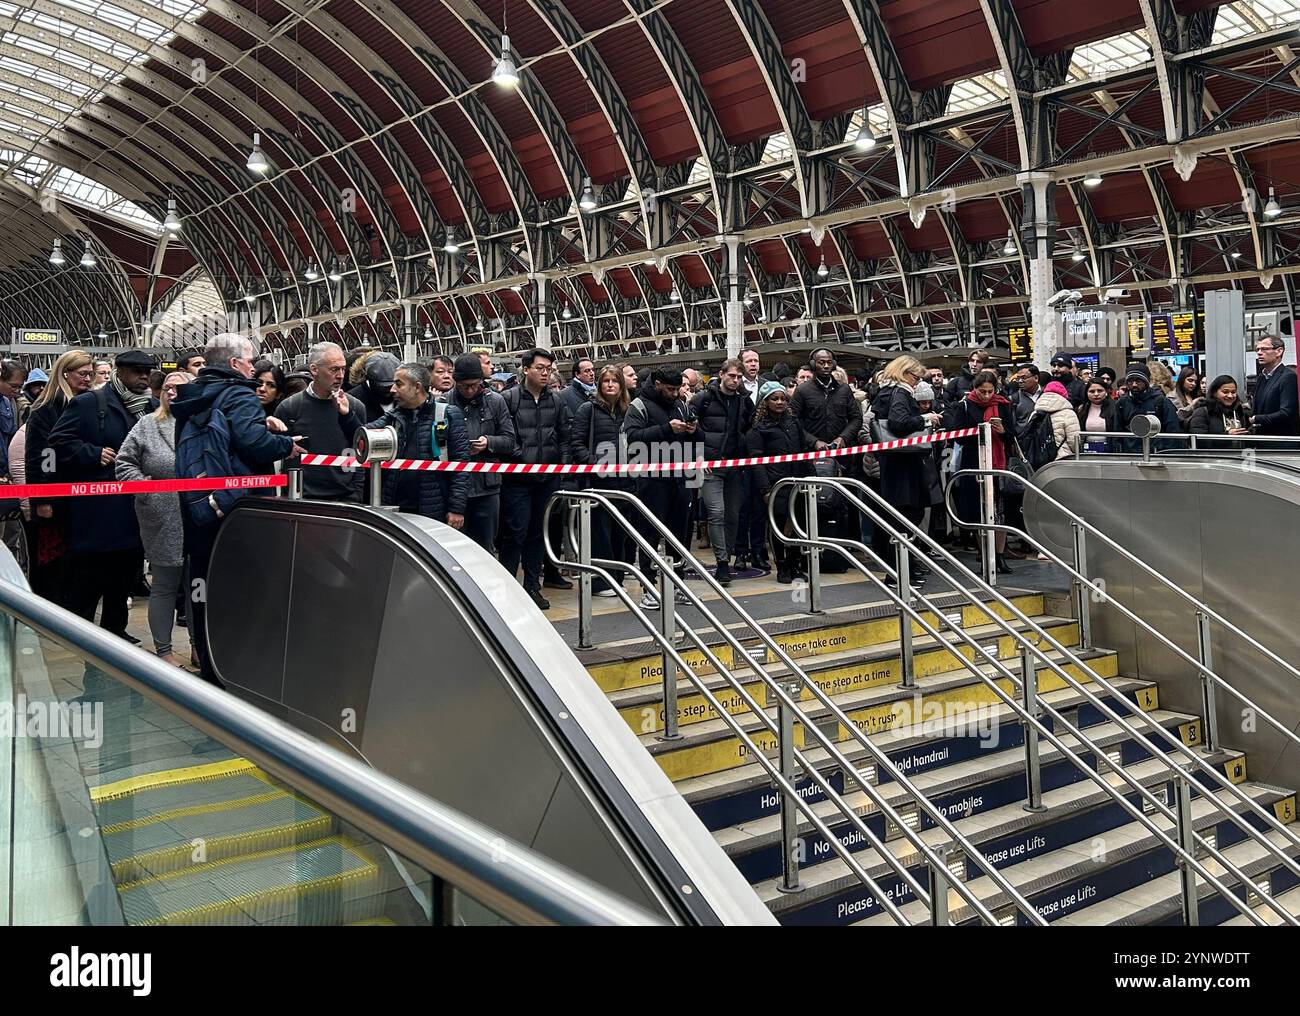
(193, 809)
(225, 862)
(1190, 732)
(729, 752)
(1148, 699)
(1235, 769)
(641, 671)
(172, 777)
(852, 676)
(372, 922)
(1285, 809)
(180, 856)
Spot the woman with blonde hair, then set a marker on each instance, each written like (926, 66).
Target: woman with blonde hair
(903, 479)
(149, 453)
(72, 374)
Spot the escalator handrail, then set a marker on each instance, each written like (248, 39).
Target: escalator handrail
(509, 879)
(1092, 530)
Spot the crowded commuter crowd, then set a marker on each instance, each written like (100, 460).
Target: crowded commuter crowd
(222, 411)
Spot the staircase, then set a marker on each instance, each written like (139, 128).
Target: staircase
(1082, 859)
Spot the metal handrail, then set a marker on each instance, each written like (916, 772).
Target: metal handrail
(1101, 596)
(844, 546)
(508, 878)
(785, 700)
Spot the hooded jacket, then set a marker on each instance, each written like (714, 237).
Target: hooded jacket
(253, 447)
(650, 436)
(432, 494)
(1065, 422)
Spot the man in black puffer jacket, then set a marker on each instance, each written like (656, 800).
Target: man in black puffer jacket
(419, 420)
(660, 428)
(542, 431)
(826, 409)
(724, 413)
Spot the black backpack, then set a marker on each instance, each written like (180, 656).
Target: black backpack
(1039, 445)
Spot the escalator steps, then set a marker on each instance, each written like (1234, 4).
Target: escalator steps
(323, 882)
(145, 804)
(169, 841)
(185, 776)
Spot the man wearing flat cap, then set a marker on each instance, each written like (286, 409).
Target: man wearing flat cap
(491, 431)
(105, 553)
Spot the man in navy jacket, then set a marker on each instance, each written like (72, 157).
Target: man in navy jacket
(1277, 402)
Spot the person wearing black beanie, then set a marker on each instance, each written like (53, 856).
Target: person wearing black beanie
(1143, 399)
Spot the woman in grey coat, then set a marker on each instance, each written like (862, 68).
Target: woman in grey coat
(149, 453)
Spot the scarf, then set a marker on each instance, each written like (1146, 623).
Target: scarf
(136, 405)
(587, 389)
(991, 412)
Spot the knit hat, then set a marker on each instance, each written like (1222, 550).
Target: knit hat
(37, 376)
(1061, 360)
(1138, 372)
(1219, 382)
(923, 392)
(769, 388)
(1056, 388)
(468, 367)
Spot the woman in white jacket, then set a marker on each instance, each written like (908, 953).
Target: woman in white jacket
(1065, 421)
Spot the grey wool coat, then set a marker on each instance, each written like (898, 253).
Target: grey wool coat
(149, 453)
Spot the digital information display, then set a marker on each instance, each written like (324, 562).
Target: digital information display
(1020, 339)
(36, 340)
(1166, 334)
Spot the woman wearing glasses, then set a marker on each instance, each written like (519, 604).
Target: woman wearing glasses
(72, 374)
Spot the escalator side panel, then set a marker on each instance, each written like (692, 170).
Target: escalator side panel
(1221, 529)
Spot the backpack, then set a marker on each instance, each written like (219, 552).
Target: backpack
(203, 450)
(438, 437)
(1039, 445)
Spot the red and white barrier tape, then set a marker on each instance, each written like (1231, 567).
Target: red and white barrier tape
(100, 488)
(616, 469)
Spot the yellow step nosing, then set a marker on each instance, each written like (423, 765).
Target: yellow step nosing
(336, 839)
(236, 904)
(196, 809)
(173, 777)
(313, 827)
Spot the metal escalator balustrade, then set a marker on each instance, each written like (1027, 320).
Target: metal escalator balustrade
(781, 731)
(1033, 658)
(169, 802)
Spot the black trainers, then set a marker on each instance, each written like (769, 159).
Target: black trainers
(722, 573)
(536, 596)
(784, 575)
(557, 581)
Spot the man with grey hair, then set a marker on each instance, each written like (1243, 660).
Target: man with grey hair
(324, 418)
(256, 442)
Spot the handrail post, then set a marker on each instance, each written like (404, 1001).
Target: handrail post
(1183, 799)
(668, 628)
(584, 576)
(988, 515)
(1033, 768)
(814, 555)
(1210, 718)
(789, 810)
(904, 622)
(1082, 605)
(939, 878)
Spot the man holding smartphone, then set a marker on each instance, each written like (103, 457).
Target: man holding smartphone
(323, 418)
(660, 428)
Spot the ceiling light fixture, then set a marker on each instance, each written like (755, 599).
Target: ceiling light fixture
(56, 255)
(88, 258)
(452, 246)
(1009, 248)
(866, 138)
(172, 223)
(1092, 179)
(587, 201)
(505, 73)
(1272, 210)
(257, 162)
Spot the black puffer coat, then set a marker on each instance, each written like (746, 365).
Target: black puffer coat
(777, 435)
(542, 427)
(598, 438)
(420, 492)
(827, 411)
(904, 481)
(723, 421)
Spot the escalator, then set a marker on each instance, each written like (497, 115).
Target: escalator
(134, 794)
(1220, 525)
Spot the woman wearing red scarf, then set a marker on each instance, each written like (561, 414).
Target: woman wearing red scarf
(983, 404)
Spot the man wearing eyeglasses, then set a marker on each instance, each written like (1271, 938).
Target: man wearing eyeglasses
(1277, 403)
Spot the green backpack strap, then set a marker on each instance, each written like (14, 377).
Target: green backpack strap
(439, 436)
